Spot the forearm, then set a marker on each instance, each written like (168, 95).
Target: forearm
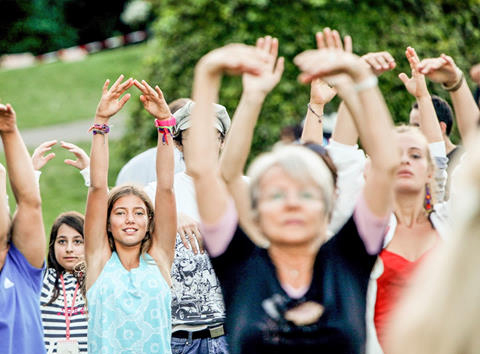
(345, 131)
(201, 150)
(313, 128)
(20, 170)
(4, 210)
(99, 156)
(428, 119)
(239, 140)
(466, 111)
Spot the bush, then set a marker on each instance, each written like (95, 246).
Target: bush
(187, 30)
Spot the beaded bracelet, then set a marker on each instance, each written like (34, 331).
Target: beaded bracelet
(165, 127)
(99, 129)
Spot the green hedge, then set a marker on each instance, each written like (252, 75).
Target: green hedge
(187, 30)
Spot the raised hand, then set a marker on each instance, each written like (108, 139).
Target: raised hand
(8, 118)
(111, 103)
(39, 159)
(321, 92)
(379, 62)
(188, 230)
(82, 161)
(416, 84)
(328, 39)
(153, 100)
(442, 70)
(326, 63)
(265, 81)
(235, 59)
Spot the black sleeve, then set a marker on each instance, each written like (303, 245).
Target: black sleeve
(238, 251)
(348, 245)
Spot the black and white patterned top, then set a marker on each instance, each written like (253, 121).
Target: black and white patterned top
(53, 315)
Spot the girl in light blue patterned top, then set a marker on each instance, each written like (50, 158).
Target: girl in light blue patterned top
(129, 249)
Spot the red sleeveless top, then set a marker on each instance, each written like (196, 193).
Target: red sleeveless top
(396, 276)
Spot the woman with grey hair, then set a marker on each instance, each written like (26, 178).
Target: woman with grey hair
(302, 293)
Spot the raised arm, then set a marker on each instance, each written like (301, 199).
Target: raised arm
(4, 209)
(371, 116)
(417, 87)
(97, 249)
(239, 138)
(165, 211)
(212, 195)
(444, 70)
(28, 233)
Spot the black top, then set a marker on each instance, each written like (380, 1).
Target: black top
(256, 303)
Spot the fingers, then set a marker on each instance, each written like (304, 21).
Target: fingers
(404, 78)
(320, 40)
(49, 157)
(105, 86)
(117, 83)
(184, 239)
(140, 87)
(124, 100)
(159, 92)
(347, 44)
(278, 71)
(199, 238)
(329, 37)
(337, 40)
(193, 243)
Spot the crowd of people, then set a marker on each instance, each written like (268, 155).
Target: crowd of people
(322, 247)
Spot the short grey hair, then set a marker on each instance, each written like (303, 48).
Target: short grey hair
(299, 163)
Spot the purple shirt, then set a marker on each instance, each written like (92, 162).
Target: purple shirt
(21, 328)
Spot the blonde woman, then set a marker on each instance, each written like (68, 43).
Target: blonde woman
(440, 313)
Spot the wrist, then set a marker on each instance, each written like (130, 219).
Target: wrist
(454, 86)
(254, 97)
(317, 107)
(101, 119)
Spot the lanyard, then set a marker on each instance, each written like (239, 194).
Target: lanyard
(68, 313)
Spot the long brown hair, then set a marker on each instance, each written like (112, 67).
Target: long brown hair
(75, 221)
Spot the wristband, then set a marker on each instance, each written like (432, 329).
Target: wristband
(165, 127)
(99, 129)
(455, 86)
(170, 122)
(366, 84)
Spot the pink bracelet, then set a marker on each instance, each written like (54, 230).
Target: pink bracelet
(165, 127)
(170, 122)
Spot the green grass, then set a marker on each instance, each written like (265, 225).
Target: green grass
(61, 185)
(60, 92)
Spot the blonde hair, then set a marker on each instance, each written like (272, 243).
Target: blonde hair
(299, 163)
(441, 311)
(409, 129)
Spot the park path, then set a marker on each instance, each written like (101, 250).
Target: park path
(74, 132)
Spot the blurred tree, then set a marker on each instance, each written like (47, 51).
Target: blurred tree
(187, 30)
(37, 26)
(95, 20)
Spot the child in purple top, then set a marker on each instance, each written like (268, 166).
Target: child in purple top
(22, 246)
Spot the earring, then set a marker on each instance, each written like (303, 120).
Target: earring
(427, 204)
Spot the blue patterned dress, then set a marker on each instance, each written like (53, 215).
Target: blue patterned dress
(129, 311)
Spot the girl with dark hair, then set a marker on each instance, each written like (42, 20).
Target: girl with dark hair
(63, 298)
